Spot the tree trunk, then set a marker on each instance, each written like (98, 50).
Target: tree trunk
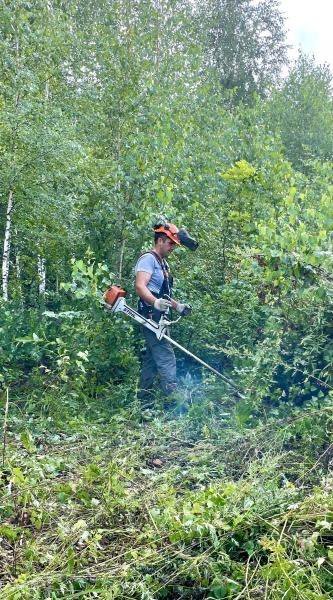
(6, 247)
(42, 275)
(121, 259)
(18, 269)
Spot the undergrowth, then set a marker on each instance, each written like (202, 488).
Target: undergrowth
(217, 503)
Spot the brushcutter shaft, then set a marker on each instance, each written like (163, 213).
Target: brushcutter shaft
(204, 364)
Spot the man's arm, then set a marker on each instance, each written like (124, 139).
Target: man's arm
(141, 281)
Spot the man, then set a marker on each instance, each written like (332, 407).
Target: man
(153, 285)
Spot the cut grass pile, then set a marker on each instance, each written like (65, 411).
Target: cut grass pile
(193, 507)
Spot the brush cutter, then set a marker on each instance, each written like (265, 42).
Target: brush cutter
(114, 300)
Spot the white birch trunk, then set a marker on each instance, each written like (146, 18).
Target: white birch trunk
(121, 259)
(42, 275)
(18, 271)
(6, 246)
(17, 261)
(18, 266)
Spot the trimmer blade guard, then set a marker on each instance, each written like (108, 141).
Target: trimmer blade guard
(113, 293)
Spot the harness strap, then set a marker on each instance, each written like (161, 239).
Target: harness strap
(165, 268)
(144, 308)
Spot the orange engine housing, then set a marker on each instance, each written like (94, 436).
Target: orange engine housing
(113, 293)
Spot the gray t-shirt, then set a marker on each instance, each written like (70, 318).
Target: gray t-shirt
(149, 264)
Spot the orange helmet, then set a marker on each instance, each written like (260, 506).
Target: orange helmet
(170, 230)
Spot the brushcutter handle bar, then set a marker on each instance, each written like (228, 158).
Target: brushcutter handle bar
(166, 322)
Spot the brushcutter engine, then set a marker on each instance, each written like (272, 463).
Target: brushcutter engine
(113, 294)
(114, 300)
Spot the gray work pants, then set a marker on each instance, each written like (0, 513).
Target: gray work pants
(158, 359)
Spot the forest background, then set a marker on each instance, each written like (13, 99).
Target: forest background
(114, 113)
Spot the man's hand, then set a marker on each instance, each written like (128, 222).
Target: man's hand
(162, 304)
(183, 309)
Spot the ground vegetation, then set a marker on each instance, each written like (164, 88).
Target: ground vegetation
(113, 114)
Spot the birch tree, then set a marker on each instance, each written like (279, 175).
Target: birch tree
(246, 43)
(6, 246)
(37, 133)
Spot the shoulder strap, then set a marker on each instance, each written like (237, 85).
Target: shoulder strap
(167, 282)
(161, 261)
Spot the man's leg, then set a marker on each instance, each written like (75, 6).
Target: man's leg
(164, 359)
(148, 374)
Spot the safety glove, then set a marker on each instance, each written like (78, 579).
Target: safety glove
(162, 304)
(183, 309)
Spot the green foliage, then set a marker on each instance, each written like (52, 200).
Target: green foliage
(91, 510)
(113, 114)
(245, 44)
(108, 153)
(301, 111)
